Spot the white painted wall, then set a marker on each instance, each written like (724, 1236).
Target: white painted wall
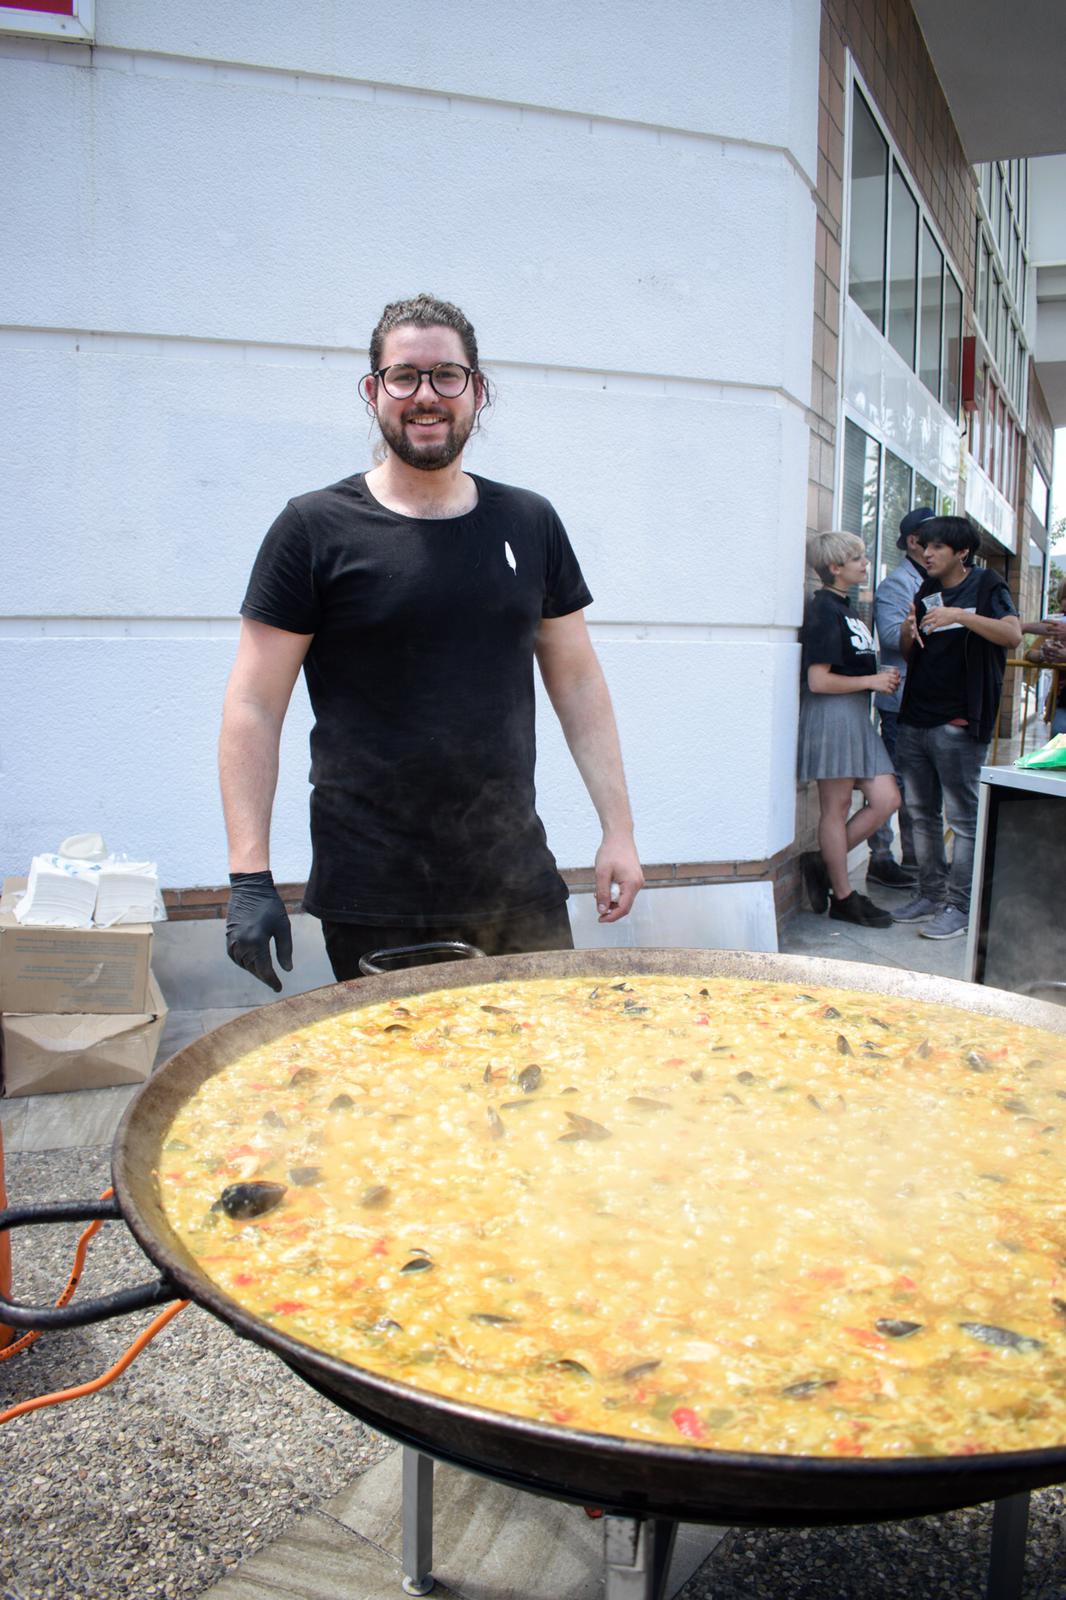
(210, 210)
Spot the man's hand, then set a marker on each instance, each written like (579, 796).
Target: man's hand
(945, 617)
(619, 878)
(257, 915)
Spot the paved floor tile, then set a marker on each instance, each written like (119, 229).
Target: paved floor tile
(70, 1121)
(317, 1559)
(13, 1122)
(491, 1542)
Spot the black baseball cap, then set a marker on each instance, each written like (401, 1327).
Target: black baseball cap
(912, 522)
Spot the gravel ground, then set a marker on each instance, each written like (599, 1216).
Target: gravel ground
(207, 1447)
(195, 1457)
(936, 1558)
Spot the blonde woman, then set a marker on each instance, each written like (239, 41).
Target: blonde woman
(837, 744)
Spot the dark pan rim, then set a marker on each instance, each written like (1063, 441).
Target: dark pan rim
(179, 1078)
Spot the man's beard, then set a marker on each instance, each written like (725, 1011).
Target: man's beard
(427, 457)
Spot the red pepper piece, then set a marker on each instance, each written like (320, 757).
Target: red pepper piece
(864, 1336)
(686, 1421)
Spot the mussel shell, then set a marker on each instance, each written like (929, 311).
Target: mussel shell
(895, 1328)
(303, 1177)
(252, 1199)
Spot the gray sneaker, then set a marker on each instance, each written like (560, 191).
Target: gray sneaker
(949, 923)
(917, 910)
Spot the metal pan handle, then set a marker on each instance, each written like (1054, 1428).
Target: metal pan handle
(1042, 986)
(450, 949)
(118, 1304)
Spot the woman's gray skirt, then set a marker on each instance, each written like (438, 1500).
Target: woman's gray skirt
(837, 738)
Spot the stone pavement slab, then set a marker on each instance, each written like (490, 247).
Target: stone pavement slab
(491, 1542)
(316, 1558)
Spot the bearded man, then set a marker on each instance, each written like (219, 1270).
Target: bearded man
(415, 597)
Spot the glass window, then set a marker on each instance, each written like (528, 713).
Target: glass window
(997, 198)
(1040, 496)
(859, 507)
(924, 491)
(869, 189)
(1002, 331)
(992, 321)
(930, 324)
(977, 415)
(991, 452)
(981, 299)
(903, 269)
(952, 344)
(1000, 473)
(896, 502)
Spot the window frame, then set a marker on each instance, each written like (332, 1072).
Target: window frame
(895, 160)
(78, 25)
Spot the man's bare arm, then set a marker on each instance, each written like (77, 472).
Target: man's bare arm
(1004, 631)
(578, 691)
(257, 697)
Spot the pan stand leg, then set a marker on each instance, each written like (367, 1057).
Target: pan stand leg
(637, 1553)
(1006, 1568)
(417, 1556)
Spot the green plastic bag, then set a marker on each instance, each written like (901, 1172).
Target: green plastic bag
(1052, 754)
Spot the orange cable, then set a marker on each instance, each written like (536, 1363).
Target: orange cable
(72, 1283)
(155, 1326)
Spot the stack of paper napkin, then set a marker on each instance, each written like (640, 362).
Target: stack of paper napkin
(68, 892)
(60, 893)
(126, 891)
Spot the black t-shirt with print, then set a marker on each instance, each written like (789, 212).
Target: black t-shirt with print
(420, 675)
(939, 685)
(834, 635)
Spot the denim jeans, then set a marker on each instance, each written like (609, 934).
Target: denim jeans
(881, 838)
(940, 767)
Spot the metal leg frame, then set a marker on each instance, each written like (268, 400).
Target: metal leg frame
(637, 1551)
(1006, 1567)
(637, 1555)
(417, 1522)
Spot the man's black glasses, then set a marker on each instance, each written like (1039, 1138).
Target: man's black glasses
(448, 379)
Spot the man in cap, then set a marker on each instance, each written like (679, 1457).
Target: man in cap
(415, 598)
(892, 601)
(955, 637)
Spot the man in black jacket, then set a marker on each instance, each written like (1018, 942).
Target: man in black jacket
(955, 639)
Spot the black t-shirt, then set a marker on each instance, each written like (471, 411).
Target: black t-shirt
(420, 675)
(941, 677)
(833, 634)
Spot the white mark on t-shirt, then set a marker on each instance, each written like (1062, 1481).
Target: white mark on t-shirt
(509, 553)
(861, 638)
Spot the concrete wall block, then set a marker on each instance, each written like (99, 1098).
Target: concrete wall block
(171, 470)
(118, 736)
(709, 739)
(609, 60)
(193, 207)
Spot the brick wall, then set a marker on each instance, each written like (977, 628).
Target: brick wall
(187, 905)
(886, 42)
(887, 45)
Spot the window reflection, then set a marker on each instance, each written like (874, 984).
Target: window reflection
(866, 248)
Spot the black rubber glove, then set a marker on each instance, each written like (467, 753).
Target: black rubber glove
(257, 915)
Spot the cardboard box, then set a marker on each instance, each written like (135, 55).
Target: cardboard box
(43, 1054)
(90, 971)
